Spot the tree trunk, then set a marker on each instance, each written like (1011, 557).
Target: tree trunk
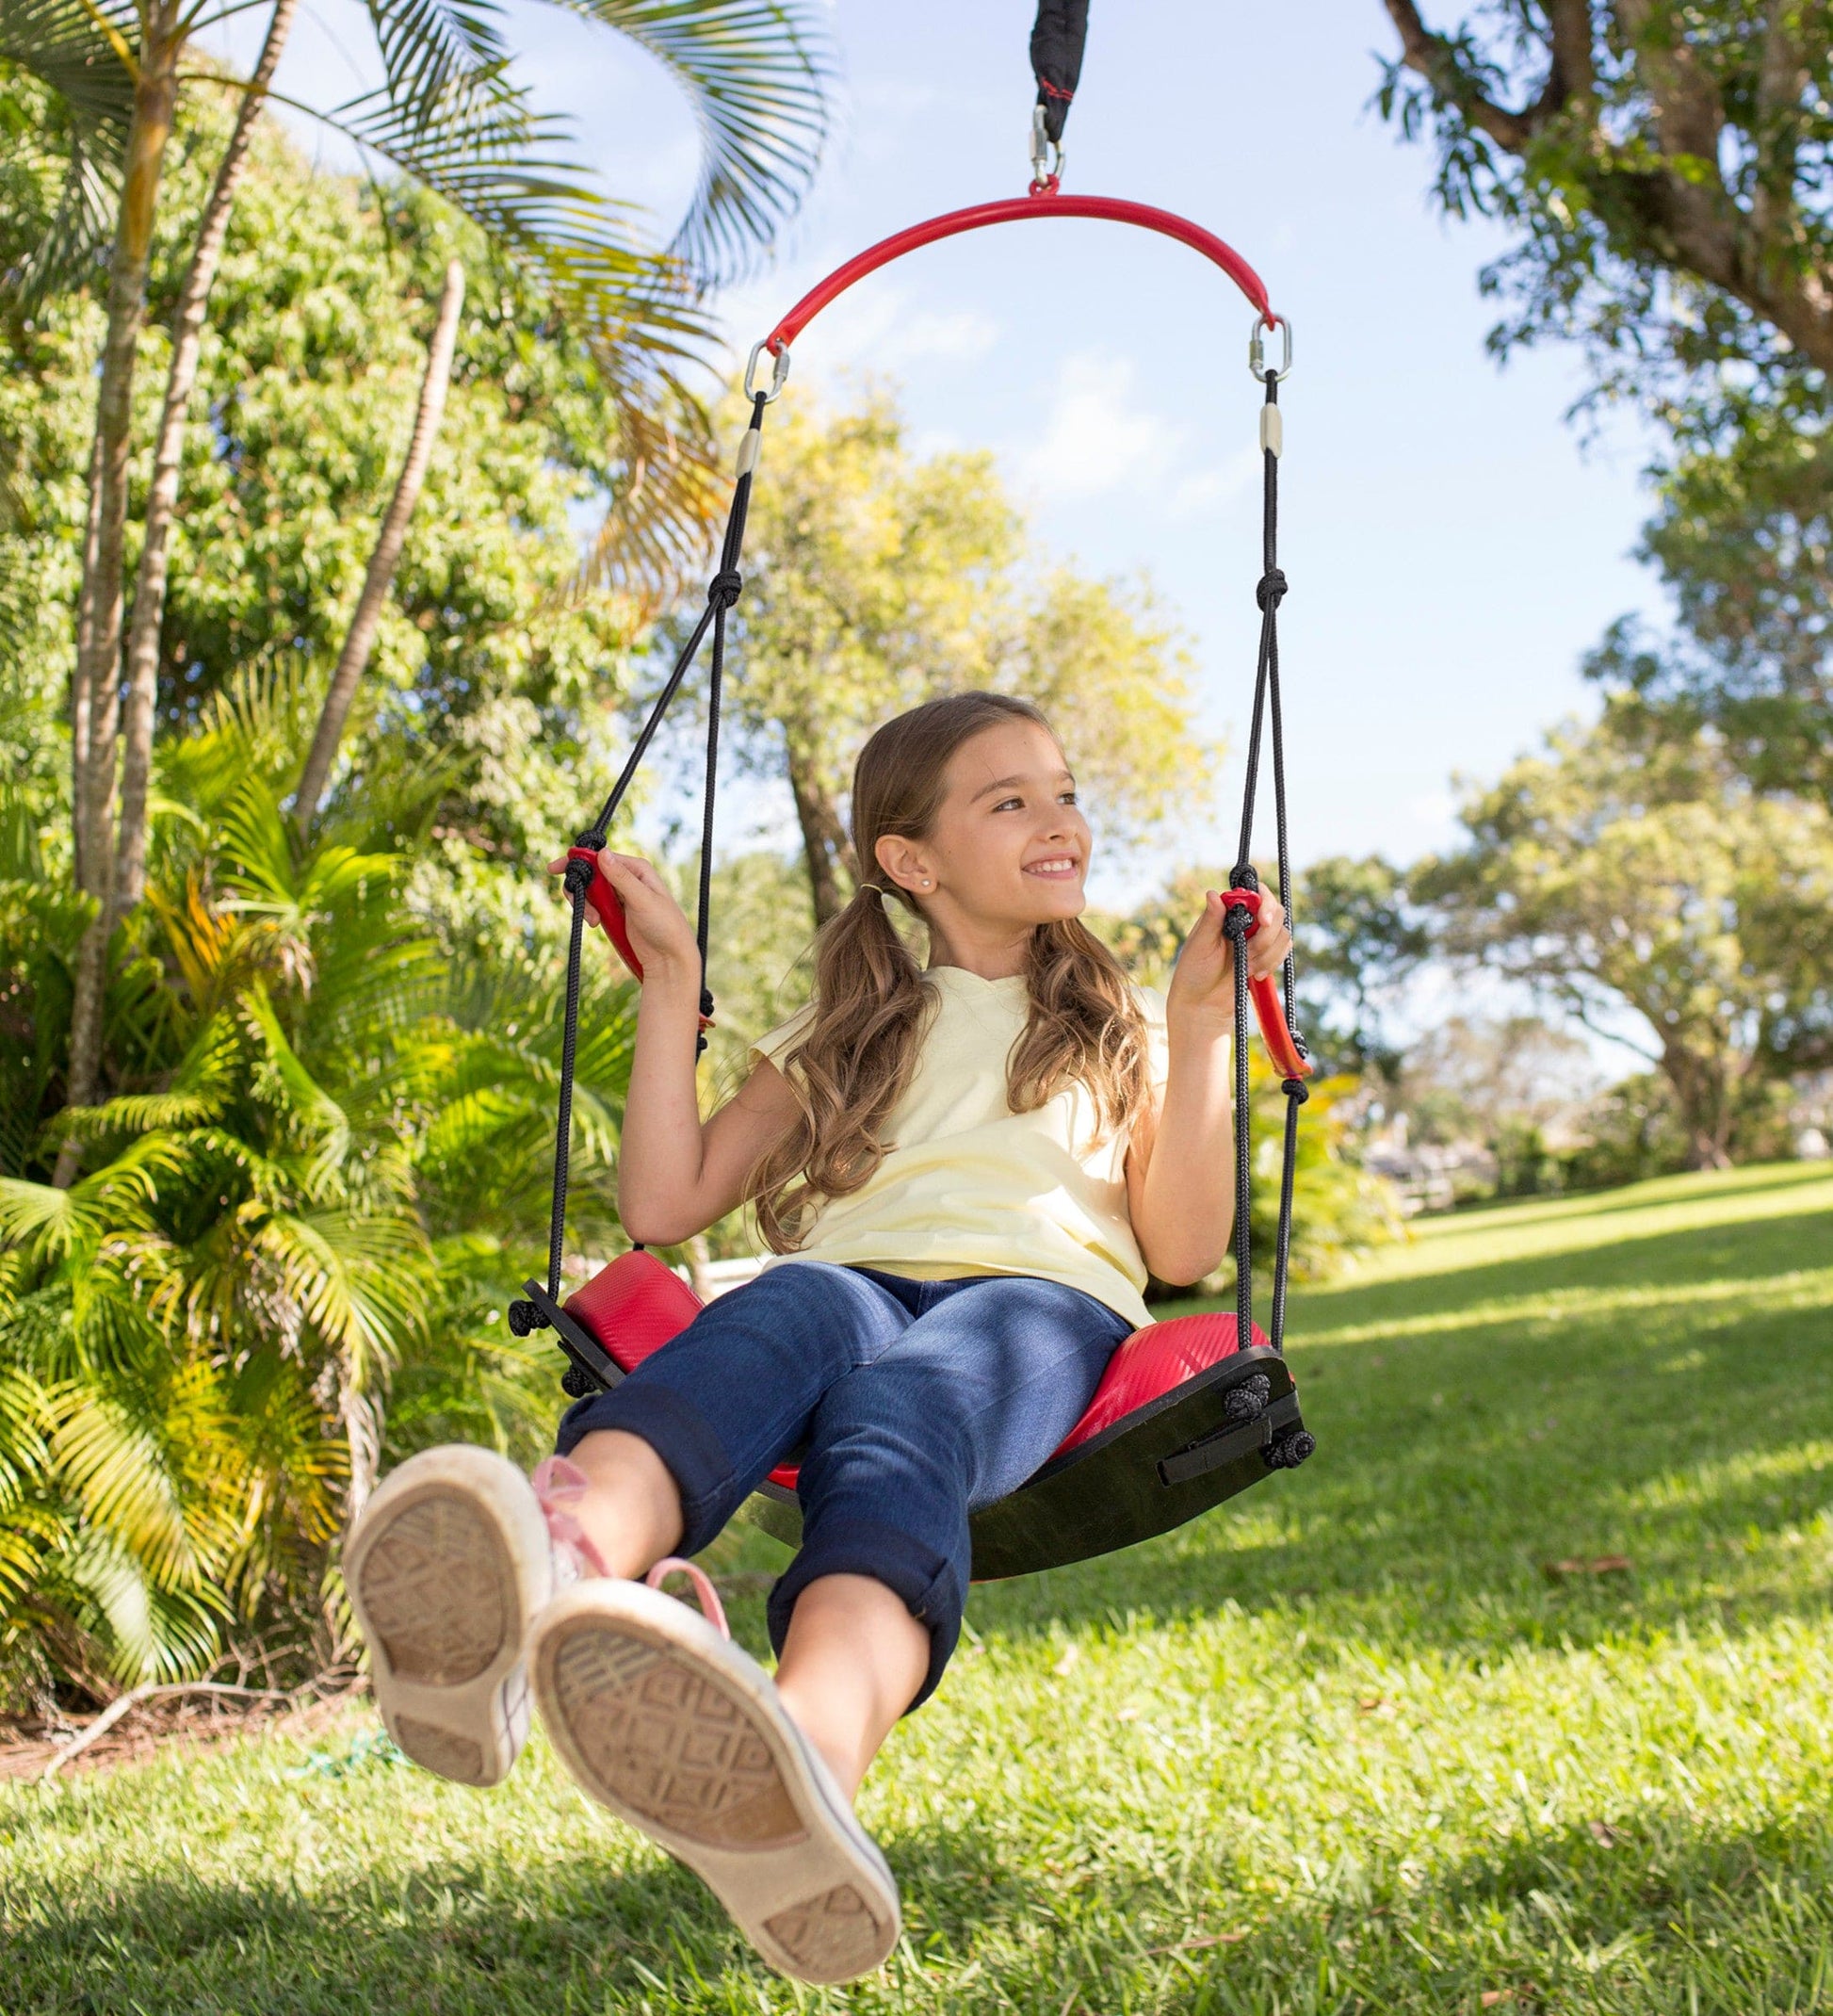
(824, 837)
(98, 670)
(386, 556)
(1702, 1090)
(155, 553)
(82, 695)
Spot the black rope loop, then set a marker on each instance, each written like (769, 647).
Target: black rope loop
(722, 591)
(1272, 590)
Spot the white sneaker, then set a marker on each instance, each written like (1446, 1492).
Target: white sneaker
(681, 1733)
(446, 1568)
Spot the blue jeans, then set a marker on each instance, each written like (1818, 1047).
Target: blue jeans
(914, 1402)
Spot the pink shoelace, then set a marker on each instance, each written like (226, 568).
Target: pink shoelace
(705, 1594)
(560, 1484)
(558, 1488)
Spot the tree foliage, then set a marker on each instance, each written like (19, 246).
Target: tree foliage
(1636, 879)
(1662, 164)
(318, 1176)
(488, 671)
(1341, 1209)
(875, 579)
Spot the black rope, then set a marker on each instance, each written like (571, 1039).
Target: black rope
(1268, 724)
(723, 592)
(579, 880)
(1236, 918)
(1057, 40)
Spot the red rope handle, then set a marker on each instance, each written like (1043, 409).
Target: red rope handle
(1013, 210)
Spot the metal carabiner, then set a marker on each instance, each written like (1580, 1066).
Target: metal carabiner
(1257, 346)
(1047, 156)
(779, 370)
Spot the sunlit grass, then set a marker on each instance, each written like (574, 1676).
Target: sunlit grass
(1373, 1737)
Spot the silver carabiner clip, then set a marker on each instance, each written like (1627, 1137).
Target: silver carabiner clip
(1257, 347)
(1048, 155)
(779, 371)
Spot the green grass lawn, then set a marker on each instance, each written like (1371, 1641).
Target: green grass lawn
(1345, 1745)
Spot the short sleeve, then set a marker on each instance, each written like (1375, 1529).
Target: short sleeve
(774, 1047)
(1157, 1047)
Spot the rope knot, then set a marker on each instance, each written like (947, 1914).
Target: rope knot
(524, 1319)
(725, 587)
(577, 879)
(1272, 589)
(1296, 1090)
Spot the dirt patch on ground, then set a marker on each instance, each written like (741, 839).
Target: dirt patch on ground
(187, 1721)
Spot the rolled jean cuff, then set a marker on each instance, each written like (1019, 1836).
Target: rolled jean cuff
(690, 1451)
(927, 1585)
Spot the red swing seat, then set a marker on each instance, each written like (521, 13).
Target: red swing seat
(1181, 1419)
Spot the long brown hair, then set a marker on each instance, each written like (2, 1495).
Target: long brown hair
(855, 1060)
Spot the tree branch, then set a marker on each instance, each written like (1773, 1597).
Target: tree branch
(1782, 80)
(1435, 59)
(1573, 78)
(162, 501)
(132, 1699)
(387, 555)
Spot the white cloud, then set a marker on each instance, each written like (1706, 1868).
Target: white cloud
(1098, 438)
(1101, 439)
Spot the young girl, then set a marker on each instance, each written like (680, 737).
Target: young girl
(967, 1169)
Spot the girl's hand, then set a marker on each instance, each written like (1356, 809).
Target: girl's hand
(1203, 981)
(660, 934)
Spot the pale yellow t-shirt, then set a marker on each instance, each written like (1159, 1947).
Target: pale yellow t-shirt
(967, 1186)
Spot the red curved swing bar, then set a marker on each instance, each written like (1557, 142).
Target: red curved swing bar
(1013, 210)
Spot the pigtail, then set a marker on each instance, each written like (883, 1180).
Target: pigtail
(1084, 1027)
(848, 1070)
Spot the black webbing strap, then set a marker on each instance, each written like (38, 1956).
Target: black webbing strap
(1057, 40)
(1267, 723)
(723, 592)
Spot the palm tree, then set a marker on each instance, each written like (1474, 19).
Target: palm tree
(451, 115)
(322, 1190)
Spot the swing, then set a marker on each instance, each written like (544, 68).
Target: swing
(1189, 1411)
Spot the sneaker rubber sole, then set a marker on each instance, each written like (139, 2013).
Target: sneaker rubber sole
(680, 1733)
(446, 1568)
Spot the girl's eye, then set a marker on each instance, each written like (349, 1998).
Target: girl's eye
(1006, 804)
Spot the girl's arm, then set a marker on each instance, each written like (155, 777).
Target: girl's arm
(676, 1173)
(1180, 1165)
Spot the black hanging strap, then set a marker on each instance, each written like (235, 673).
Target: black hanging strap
(1057, 41)
(1267, 723)
(723, 592)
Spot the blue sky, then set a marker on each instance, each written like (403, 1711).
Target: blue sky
(1453, 545)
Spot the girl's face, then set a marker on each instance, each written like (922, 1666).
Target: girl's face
(1010, 845)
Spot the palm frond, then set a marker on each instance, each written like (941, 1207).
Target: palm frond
(434, 49)
(757, 74)
(308, 1109)
(362, 1282)
(198, 1091)
(125, 1484)
(669, 491)
(83, 49)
